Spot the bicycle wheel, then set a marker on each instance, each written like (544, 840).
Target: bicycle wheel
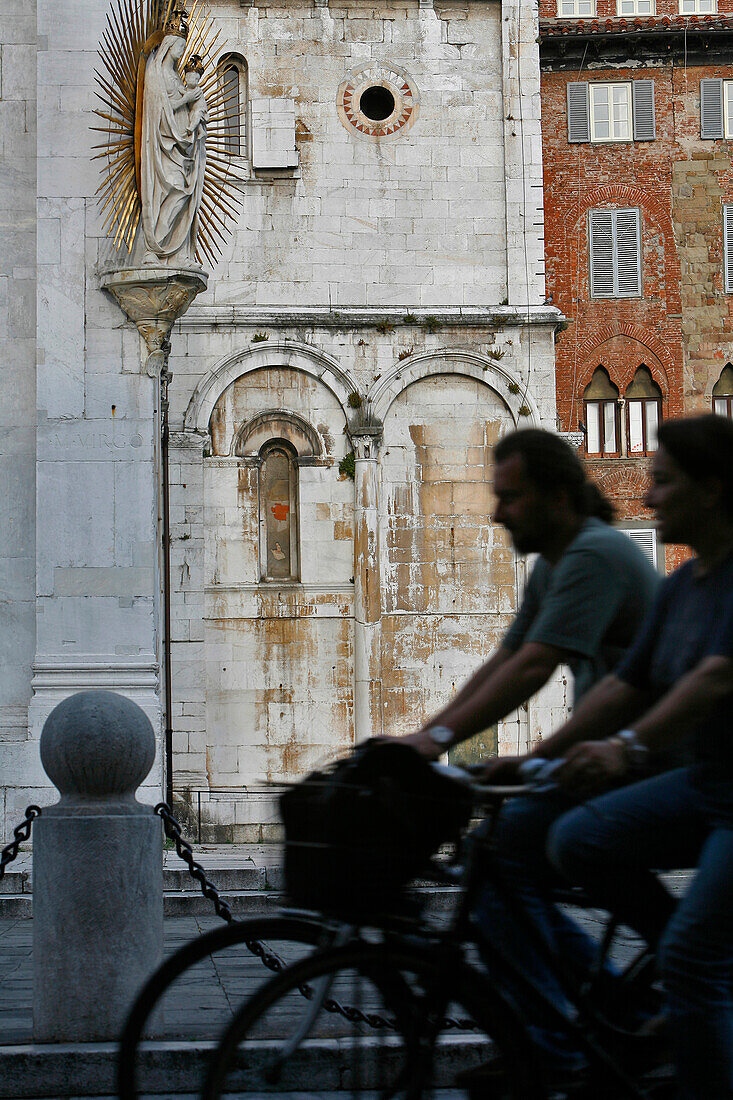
(395, 1039)
(282, 939)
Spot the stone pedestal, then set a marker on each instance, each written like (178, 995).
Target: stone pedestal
(97, 871)
(367, 584)
(154, 298)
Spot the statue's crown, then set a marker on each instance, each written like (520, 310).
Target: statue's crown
(177, 23)
(195, 64)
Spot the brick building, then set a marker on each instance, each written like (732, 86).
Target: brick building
(637, 115)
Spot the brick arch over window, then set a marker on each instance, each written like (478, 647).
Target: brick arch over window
(622, 349)
(651, 209)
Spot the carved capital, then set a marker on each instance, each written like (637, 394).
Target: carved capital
(366, 440)
(154, 298)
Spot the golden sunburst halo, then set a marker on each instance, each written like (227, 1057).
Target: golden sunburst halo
(134, 28)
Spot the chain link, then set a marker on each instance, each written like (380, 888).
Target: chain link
(260, 950)
(20, 833)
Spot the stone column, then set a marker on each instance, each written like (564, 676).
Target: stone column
(367, 584)
(97, 871)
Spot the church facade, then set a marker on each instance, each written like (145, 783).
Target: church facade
(304, 556)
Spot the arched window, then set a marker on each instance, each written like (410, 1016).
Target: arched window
(278, 502)
(233, 91)
(601, 415)
(723, 393)
(643, 412)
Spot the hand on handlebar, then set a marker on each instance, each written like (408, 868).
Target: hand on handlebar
(498, 770)
(591, 766)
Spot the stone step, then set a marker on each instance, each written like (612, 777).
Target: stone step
(35, 1071)
(192, 903)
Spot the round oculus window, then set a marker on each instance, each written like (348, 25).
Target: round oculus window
(378, 101)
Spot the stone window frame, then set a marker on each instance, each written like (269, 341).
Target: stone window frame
(571, 9)
(722, 396)
(643, 413)
(270, 447)
(698, 7)
(635, 7)
(602, 407)
(228, 62)
(728, 245)
(615, 252)
(582, 117)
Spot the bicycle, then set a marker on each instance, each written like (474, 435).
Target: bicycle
(415, 980)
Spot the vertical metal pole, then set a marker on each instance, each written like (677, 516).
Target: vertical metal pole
(165, 378)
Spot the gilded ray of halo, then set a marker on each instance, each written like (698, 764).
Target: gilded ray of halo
(131, 24)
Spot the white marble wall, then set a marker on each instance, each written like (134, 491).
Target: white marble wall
(17, 397)
(444, 222)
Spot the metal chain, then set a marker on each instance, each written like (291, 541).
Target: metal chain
(20, 833)
(260, 950)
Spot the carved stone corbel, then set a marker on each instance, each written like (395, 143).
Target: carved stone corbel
(153, 298)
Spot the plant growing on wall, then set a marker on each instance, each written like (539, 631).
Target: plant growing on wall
(355, 400)
(405, 354)
(347, 465)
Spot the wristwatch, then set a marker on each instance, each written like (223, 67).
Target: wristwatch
(441, 736)
(636, 753)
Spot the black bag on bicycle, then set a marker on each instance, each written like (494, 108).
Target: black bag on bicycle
(358, 831)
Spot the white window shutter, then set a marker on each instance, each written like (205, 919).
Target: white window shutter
(643, 102)
(601, 253)
(273, 133)
(646, 540)
(628, 253)
(578, 112)
(711, 108)
(728, 248)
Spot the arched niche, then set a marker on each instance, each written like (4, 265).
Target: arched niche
(277, 424)
(507, 385)
(281, 354)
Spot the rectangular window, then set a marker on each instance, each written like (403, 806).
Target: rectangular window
(601, 422)
(698, 7)
(615, 253)
(610, 112)
(577, 8)
(643, 422)
(635, 7)
(622, 111)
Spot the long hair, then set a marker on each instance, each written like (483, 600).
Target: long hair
(702, 446)
(550, 463)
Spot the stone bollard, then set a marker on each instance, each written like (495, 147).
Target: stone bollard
(97, 871)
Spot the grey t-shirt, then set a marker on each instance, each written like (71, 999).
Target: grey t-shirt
(590, 603)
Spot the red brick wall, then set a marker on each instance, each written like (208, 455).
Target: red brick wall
(682, 327)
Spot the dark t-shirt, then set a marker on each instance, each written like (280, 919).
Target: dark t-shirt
(691, 619)
(591, 603)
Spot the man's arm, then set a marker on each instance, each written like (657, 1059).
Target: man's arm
(693, 697)
(499, 687)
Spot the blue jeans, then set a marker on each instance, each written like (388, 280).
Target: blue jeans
(680, 819)
(518, 853)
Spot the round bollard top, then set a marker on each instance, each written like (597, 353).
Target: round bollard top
(97, 746)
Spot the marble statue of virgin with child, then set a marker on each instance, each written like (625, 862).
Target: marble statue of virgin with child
(172, 149)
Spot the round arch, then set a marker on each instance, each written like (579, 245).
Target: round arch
(469, 364)
(285, 353)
